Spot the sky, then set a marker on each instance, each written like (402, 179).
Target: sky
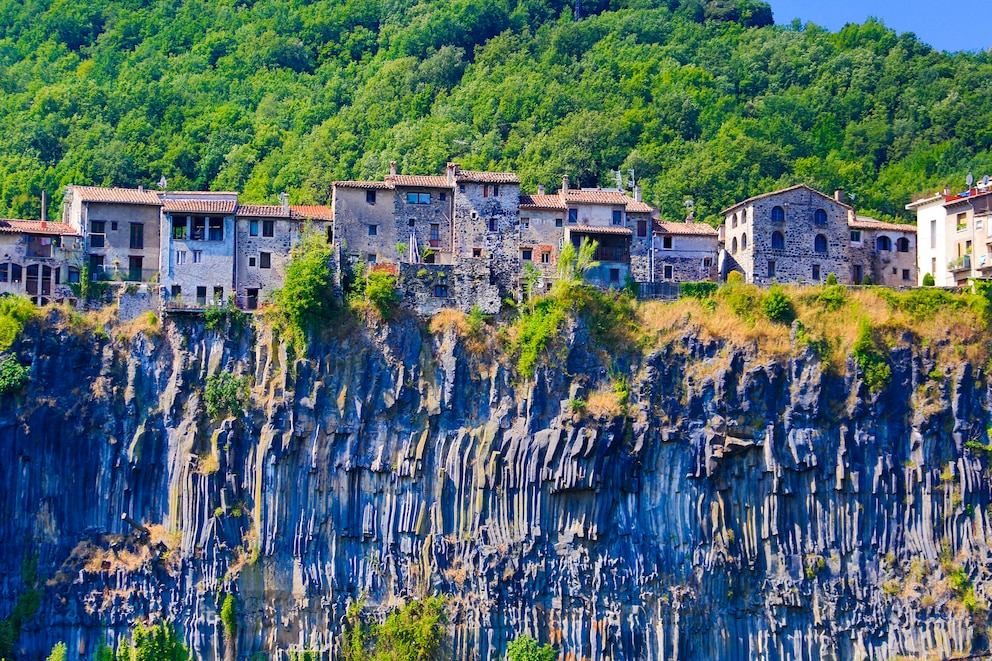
(950, 25)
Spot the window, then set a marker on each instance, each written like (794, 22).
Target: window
(372, 258)
(176, 290)
(855, 236)
(778, 215)
(820, 217)
(268, 228)
(614, 276)
(771, 269)
(265, 260)
(883, 243)
(179, 229)
(461, 188)
(373, 230)
(642, 228)
(820, 243)
(617, 217)
(3, 272)
(113, 226)
(733, 221)
(573, 215)
(933, 233)
(216, 229)
(418, 198)
(816, 272)
(440, 291)
(707, 262)
(442, 196)
(330, 234)
(666, 242)
(559, 222)
(477, 252)
(199, 228)
(98, 234)
(197, 256)
(778, 241)
(733, 246)
(201, 295)
(526, 254)
(933, 266)
(495, 190)
(743, 241)
(252, 299)
(668, 271)
(546, 257)
(979, 224)
(435, 234)
(857, 274)
(370, 197)
(492, 224)
(525, 223)
(180, 257)
(72, 274)
(134, 268)
(962, 221)
(218, 294)
(252, 261)
(902, 244)
(96, 269)
(137, 236)
(905, 274)
(411, 222)
(252, 228)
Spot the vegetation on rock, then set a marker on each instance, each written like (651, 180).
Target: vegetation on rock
(526, 648)
(15, 312)
(225, 394)
(411, 633)
(13, 375)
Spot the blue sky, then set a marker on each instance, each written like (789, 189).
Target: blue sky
(950, 25)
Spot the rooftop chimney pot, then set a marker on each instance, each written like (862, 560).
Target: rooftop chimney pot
(392, 168)
(839, 194)
(44, 206)
(637, 193)
(564, 183)
(540, 189)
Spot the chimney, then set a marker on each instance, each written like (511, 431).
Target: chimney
(947, 190)
(637, 193)
(392, 168)
(564, 183)
(44, 205)
(540, 189)
(284, 201)
(839, 195)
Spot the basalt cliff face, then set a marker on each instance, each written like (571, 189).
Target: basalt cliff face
(739, 507)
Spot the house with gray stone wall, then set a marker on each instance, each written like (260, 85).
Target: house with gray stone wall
(198, 247)
(542, 234)
(264, 238)
(796, 234)
(39, 259)
(120, 229)
(685, 252)
(886, 252)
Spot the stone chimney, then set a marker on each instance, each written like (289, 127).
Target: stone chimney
(44, 205)
(392, 168)
(454, 169)
(540, 189)
(637, 193)
(839, 195)
(564, 183)
(284, 201)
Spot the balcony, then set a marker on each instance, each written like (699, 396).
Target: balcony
(615, 255)
(962, 263)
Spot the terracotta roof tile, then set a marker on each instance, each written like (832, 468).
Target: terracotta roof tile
(866, 223)
(686, 229)
(597, 196)
(418, 180)
(377, 185)
(605, 229)
(200, 206)
(542, 202)
(784, 190)
(262, 211)
(488, 177)
(312, 212)
(12, 226)
(117, 195)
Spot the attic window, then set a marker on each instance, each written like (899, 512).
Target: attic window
(666, 243)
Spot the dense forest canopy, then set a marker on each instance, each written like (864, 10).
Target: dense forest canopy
(704, 100)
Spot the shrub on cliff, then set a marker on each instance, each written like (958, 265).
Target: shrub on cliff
(698, 290)
(928, 280)
(380, 292)
(58, 652)
(778, 306)
(225, 394)
(870, 358)
(307, 293)
(158, 642)
(411, 633)
(526, 648)
(13, 376)
(15, 312)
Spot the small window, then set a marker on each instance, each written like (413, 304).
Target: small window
(113, 226)
(559, 222)
(525, 223)
(180, 257)
(902, 245)
(477, 252)
(216, 229)
(373, 230)
(771, 269)
(642, 228)
(176, 290)
(330, 234)
(778, 215)
(197, 256)
(201, 295)
(252, 299)
(855, 236)
(614, 276)
(218, 294)
(526, 254)
(905, 274)
(492, 225)
(707, 262)
(440, 291)
(743, 241)
(137, 236)
(461, 188)
(412, 198)
(435, 233)
(411, 222)
(820, 243)
(73, 274)
(370, 197)
(371, 258)
(618, 217)
(778, 241)
(883, 243)
(546, 257)
(442, 196)
(816, 272)
(733, 246)
(495, 190)
(252, 262)
(858, 274)
(820, 217)
(733, 221)
(98, 234)
(253, 228)
(485, 190)
(268, 228)
(265, 260)
(573, 216)
(668, 271)
(179, 229)
(666, 242)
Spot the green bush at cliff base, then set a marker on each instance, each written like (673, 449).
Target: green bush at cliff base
(58, 652)
(225, 394)
(742, 299)
(833, 297)
(869, 358)
(778, 306)
(411, 633)
(15, 312)
(13, 375)
(157, 642)
(27, 604)
(526, 648)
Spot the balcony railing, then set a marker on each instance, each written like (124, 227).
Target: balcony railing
(616, 255)
(962, 263)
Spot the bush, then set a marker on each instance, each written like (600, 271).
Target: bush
(537, 329)
(869, 358)
(13, 376)
(225, 394)
(158, 642)
(15, 312)
(833, 297)
(831, 280)
(742, 299)
(525, 648)
(778, 306)
(735, 278)
(380, 291)
(58, 652)
(928, 280)
(229, 617)
(411, 633)
(698, 290)
(307, 293)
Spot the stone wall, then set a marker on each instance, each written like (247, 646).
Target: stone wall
(542, 234)
(134, 301)
(640, 247)
(248, 264)
(687, 258)
(473, 212)
(465, 285)
(215, 271)
(353, 216)
(418, 218)
(117, 245)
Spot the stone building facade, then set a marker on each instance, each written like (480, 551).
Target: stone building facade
(685, 252)
(542, 232)
(429, 288)
(796, 235)
(40, 260)
(886, 252)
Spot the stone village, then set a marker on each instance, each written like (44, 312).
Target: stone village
(467, 238)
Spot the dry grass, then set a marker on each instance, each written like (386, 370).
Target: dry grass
(207, 464)
(604, 404)
(475, 338)
(147, 324)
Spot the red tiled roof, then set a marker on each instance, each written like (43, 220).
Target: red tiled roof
(605, 229)
(12, 226)
(542, 202)
(686, 229)
(117, 195)
(418, 181)
(200, 206)
(487, 177)
(866, 223)
(262, 211)
(378, 185)
(312, 212)
(784, 190)
(615, 198)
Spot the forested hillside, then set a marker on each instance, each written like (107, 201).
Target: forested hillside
(702, 100)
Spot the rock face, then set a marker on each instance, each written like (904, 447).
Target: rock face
(740, 507)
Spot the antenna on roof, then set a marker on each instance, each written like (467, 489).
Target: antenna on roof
(619, 177)
(632, 182)
(970, 179)
(162, 183)
(690, 208)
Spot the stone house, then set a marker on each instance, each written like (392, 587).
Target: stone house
(685, 252)
(120, 228)
(40, 260)
(542, 234)
(264, 238)
(956, 232)
(198, 255)
(886, 252)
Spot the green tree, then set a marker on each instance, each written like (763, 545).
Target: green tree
(413, 632)
(58, 652)
(307, 294)
(928, 280)
(525, 648)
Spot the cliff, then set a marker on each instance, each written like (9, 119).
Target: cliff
(741, 504)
